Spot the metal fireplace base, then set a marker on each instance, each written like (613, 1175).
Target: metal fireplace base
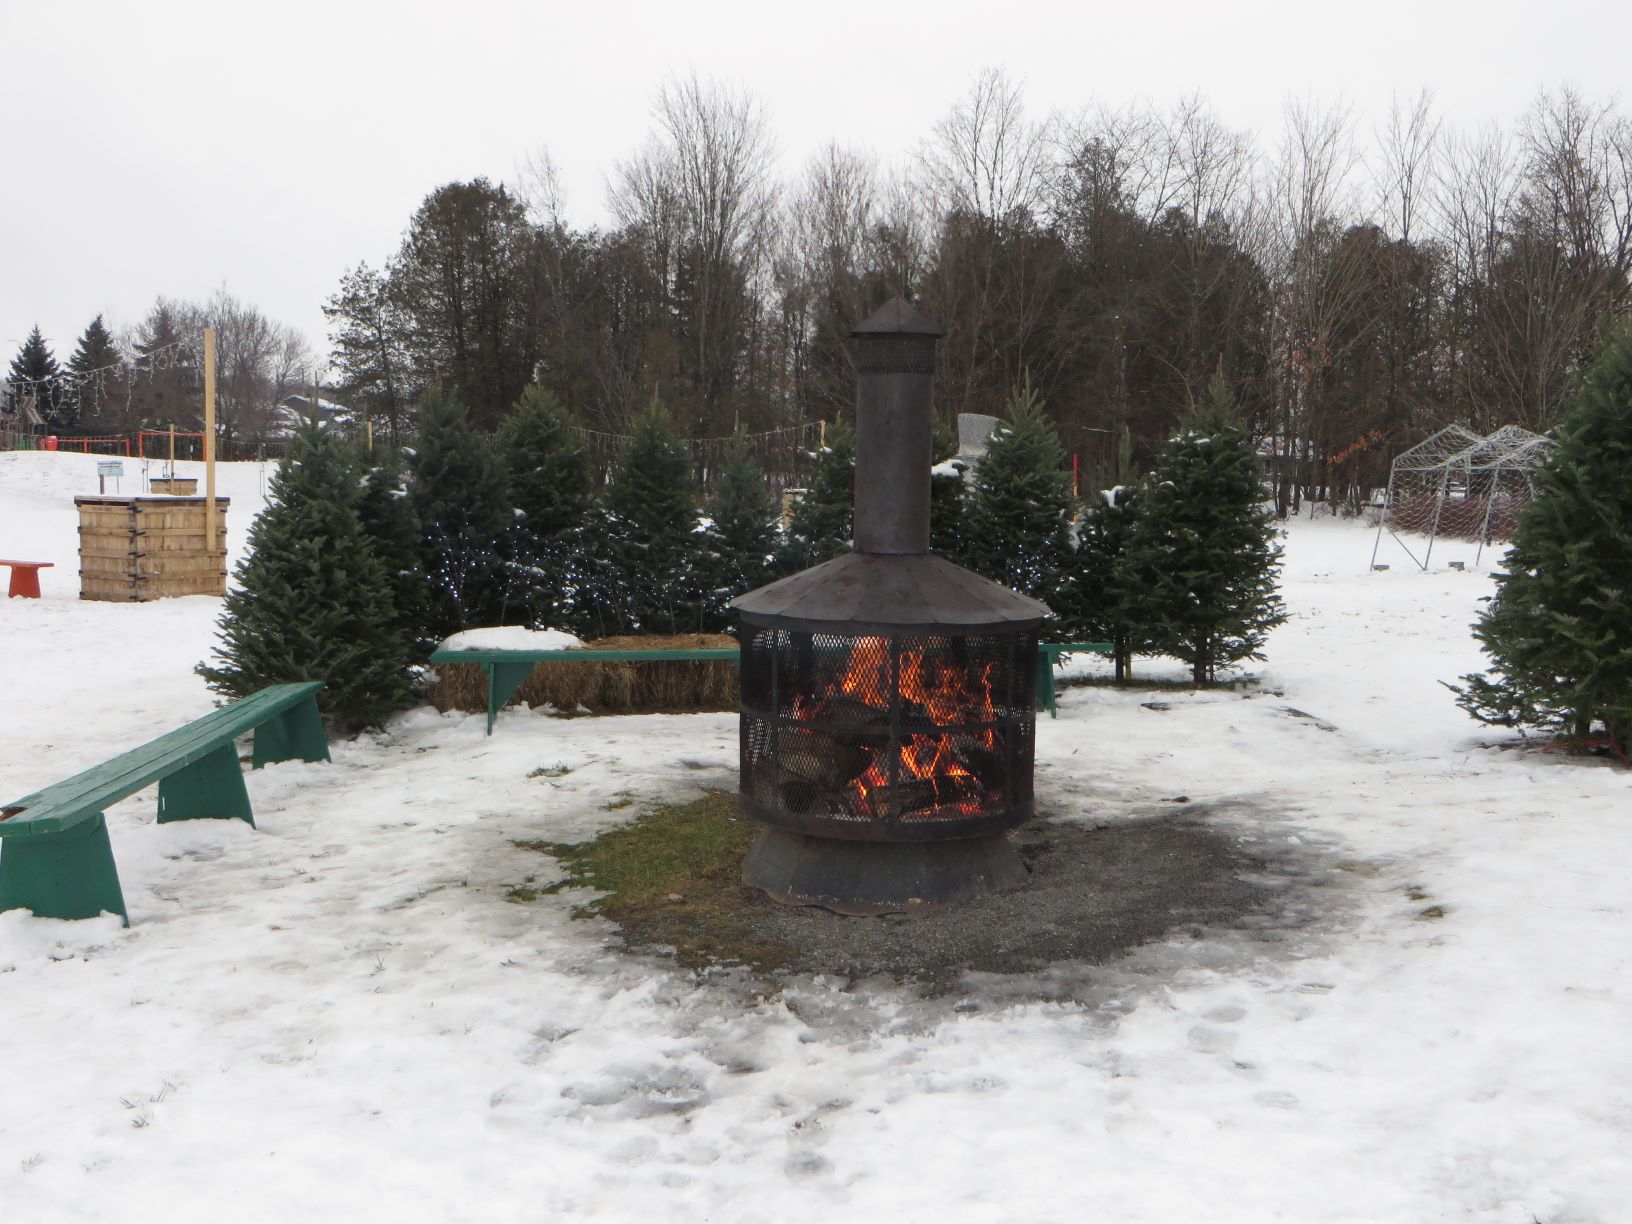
(864, 878)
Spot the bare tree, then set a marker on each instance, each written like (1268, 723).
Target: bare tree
(985, 158)
(539, 188)
(1409, 150)
(258, 360)
(702, 194)
(1317, 293)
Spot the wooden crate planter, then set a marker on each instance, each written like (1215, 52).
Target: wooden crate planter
(187, 486)
(133, 549)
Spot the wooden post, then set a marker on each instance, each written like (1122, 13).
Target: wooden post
(209, 441)
(370, 424)
(171, 470)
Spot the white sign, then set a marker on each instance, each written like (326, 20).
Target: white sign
(113, 467)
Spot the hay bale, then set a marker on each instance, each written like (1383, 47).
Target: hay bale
(682, 686)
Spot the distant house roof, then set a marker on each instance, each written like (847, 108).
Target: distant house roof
(303, 405)
(293, 409)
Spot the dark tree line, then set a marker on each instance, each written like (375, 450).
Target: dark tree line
(1360, 298)
(149, 377)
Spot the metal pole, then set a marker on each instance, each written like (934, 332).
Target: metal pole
(209, 441)
(1439, 507)
(1490, 504)
(1388, 496)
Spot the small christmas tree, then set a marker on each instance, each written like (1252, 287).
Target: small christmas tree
(657, 561)
(1204, 542)
(386, 511)
(34, 378)
(1104, 598)
(742, 532)
(467, 523)
(1559, 628)
(549, 482)
(549, 469)
(100, 366)
(1016, 522)
(312, 600)
(821, 526)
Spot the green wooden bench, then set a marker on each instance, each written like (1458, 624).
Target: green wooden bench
(507, 670)
(1049, 654)
(55, 858)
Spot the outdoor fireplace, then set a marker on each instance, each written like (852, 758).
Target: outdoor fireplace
(887, 695)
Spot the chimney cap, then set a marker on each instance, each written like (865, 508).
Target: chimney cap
(896, 318)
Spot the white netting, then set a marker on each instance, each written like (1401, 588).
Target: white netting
(1459, 485)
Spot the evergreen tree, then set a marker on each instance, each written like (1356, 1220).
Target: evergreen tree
(34, 378)
(821, 526)
(653, 571)
(742, 531)
(100, 365)
(467, 522)
(1016, 523)
(1104, 597)
(549, 482)
(1559, 628)
(1203, 541)
(166, 391)
(386, 510)
(312, 600)
(549, 469)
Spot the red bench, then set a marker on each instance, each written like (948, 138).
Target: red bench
(25, 577)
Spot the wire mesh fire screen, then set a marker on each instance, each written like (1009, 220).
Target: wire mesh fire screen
(903, 737)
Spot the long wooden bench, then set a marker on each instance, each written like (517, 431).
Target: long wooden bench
(507, 670)
(55, 858)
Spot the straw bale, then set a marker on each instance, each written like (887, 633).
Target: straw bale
(608, 688)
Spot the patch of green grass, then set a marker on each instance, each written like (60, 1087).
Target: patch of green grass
(674, 877)
(1433, 911)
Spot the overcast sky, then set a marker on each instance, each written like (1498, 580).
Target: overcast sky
(169, 147)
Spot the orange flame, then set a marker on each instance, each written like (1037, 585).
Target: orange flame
(933, 688)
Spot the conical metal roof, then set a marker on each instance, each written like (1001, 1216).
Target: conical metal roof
(896, 318)
(868, 593)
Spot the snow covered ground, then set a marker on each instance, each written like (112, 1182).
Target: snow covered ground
(340, 1016)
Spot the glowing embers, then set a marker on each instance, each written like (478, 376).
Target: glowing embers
(909, 737)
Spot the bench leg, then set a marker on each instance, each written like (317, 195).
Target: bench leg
(25, 582)
(295, 735)
(503, 679)
(211, 788)
(62, 875)
(1045, 683)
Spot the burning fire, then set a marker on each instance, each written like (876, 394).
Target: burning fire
(938, 776)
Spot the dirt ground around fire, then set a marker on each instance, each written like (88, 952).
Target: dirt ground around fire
(1098, 890)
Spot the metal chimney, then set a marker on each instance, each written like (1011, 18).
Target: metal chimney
(895, 374)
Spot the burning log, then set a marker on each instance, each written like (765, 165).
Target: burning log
(823, 759)
(863, 722)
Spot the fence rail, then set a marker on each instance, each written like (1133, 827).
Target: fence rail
(782, 454)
